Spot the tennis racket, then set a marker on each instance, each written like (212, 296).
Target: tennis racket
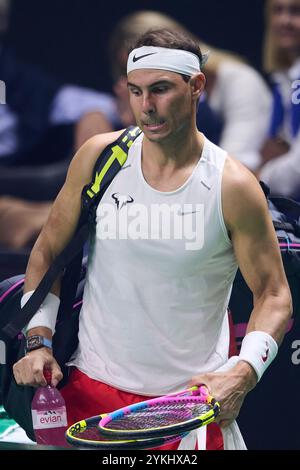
(86, 434)
(163, 416)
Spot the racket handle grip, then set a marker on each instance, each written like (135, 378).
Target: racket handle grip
(203, 390)
(196, 390)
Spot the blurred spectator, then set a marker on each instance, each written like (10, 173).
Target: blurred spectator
(41, 125)
(36, 104)
(282, 61)
(235, 92)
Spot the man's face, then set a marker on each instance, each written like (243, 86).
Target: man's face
(285, 23)
(161, 102)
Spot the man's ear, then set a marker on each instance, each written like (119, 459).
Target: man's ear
(197, 83)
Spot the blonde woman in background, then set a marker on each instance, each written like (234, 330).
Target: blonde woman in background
(234, 91)
(282, 61)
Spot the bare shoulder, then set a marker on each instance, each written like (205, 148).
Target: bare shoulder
(242, 196)
(82, 164)
(66, 209)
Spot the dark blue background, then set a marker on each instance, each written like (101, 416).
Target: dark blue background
(68, 37)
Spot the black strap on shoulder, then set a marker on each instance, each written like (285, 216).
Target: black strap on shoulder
(107, 166)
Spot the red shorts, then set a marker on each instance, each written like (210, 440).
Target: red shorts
(86, 397)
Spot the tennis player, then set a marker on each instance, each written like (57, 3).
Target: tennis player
(171, 231)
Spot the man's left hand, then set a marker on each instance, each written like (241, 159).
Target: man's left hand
(229, 389)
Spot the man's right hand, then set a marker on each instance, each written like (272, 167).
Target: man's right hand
(29, 369)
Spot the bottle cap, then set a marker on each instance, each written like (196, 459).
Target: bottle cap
(48, 376)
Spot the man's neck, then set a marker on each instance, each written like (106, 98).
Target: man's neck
(167, 167)
(175, 152)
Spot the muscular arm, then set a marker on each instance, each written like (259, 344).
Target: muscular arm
(54, 236)
(65, 212)
(256, 248)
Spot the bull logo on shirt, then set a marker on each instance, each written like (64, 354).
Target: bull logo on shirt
(122, 200)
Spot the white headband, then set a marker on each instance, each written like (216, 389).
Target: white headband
(163, 58)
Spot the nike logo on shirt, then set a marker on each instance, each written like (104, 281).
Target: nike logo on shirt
(188, 212)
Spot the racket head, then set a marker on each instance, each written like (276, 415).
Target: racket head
(85, 434)
(163, 416)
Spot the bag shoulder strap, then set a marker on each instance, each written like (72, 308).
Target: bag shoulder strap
(109, 163)
(107, 166)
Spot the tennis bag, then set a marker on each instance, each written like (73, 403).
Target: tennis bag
(17, 399)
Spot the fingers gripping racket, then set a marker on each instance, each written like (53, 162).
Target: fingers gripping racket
(86, 434)
(163, 416)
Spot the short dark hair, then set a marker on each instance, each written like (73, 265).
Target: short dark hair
(171, 40)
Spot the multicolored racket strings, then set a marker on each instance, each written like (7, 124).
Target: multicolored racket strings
(85, 434)
(163, 416)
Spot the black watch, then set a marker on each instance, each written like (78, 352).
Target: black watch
(36, 342)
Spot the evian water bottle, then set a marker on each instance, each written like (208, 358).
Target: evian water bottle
(49, 415)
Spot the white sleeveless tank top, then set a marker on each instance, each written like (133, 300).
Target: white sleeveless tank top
(159, 279)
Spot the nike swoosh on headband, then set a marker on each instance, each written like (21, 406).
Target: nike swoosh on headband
(135, 59)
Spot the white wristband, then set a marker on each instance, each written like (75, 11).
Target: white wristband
(46, 314)
(258, 349)
(232, 361)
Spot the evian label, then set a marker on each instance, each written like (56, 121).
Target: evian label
(49, 419)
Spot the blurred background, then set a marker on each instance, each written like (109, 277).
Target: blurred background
(57, 61)
(68, 38)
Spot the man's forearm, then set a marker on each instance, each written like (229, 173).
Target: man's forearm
(271, 314)
(266, 329)
(39, 262)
